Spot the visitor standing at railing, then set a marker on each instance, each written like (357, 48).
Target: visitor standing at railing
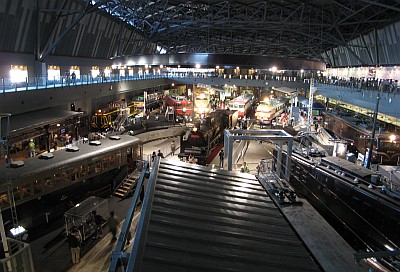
(73, 78)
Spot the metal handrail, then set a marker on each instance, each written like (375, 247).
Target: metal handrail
(135, 258)
(118, 255)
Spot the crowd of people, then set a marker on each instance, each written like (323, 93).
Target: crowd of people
(384, 85)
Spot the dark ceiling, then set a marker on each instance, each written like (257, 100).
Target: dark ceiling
(280, 28)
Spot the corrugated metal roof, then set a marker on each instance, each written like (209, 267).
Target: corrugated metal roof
(215, 220)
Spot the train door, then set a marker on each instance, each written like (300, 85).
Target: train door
(134, 154)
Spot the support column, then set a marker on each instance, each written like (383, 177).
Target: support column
(40, 69)
(288, 160)
(279, 159)
(228, 150)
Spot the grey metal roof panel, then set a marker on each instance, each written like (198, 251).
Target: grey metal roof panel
(215, 220)
(39, 118)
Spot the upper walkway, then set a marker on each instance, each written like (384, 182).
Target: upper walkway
(359, 95)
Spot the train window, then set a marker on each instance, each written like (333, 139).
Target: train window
(75, 174)
(58, 178)
(106, 162)
(4, 201)
(98, 167)
(47, 183)
(26, 191)
(82, 170)
(91, 168)
(118, 158)
(37, 187)
(17, 194)
(111, 160)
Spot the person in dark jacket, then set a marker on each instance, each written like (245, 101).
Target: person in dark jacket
(160, 154)
(74, 242)
(98, 221)
(113, 224)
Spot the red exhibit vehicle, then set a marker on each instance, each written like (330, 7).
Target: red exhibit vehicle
(242, 104)
(269, 109)
(182, 106)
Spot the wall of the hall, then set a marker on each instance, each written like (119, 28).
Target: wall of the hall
(364, 51)
(85, 97)
(36, 68)
(96, 35)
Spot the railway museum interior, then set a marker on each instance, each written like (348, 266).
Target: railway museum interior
(199, 135)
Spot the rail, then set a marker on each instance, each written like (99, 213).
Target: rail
(44, 82)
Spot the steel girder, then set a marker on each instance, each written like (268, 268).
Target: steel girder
(287, 28)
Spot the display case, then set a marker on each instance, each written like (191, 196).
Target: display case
(80, 215)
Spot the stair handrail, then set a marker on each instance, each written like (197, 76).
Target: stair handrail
(120, 178)
(118, 255)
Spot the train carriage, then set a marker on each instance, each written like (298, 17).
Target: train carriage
(386, 145)
(43, 178)
(350, 198)
(269, 109)
(104, 118)
(242, 104)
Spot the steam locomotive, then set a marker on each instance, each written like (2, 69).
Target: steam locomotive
(207, 135)
(349, 194)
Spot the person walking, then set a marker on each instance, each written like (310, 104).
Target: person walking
(73, 77)
(113, 224)
(32, 150)
(97, 220)
(221, 158)
(245, 168)
(160, 154)
(74, 242)
(173, 148)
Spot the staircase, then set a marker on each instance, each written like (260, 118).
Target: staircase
(127, 185)
(121, 118)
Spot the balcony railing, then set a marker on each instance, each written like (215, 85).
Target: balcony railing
(44, 82)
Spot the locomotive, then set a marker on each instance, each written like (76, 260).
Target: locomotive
(104, 118)
(347, 193)
(269, 109)
(242, 104)
(207, 135)
(182, 107)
